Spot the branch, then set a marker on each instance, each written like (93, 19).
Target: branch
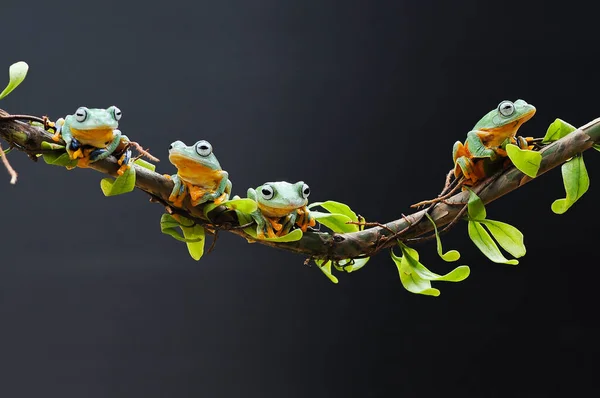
(28, 138)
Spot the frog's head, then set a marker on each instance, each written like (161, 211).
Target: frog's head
(507, 117)
(282, 195)
(86, 119)
(195, 159)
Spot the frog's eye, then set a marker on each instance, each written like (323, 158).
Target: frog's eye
(305, 191)
(203, 148)
(267, 192)
(506, 108)
(117, 113)
(81, 114)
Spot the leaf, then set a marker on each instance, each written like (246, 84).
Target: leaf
(411, 280)
(326, 268)
(351, 265)
(16, 75)
(195, 239)
(525, 160)
(451, 255)
(486, 244)
(558, 129)
(244, 205)
(51, 146)
(336, 207)
(334, 221)
(123, 184)
(169, 226)
(576, 182)
(292, 236)
(475, 207)
(597, 147)
(144, 164)
(456, 275)
(59, 159)
(509, 237)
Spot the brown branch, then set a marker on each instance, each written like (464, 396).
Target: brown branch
(367, 242)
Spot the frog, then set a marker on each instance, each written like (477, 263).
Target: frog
(91, 134)
(280, 206)
(488, 139)
(199, 174)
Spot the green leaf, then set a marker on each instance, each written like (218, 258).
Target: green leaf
(451, 255)
(525, 160)
(411, 280)
(59, 159)
(291, 237)
(123, 184)
(486, 244)
(576, 181)
(351, 265)
(509, 237)
(456, 275)
(16, 74)
(475, 207)
(597, 147)
(169, 226)
(326, 268)
(558, 129)
(336, 207)
(244, 205)
(144, 164)
(334, 221)
(195, 239)
(51, 146)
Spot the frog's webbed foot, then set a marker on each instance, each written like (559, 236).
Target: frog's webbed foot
(275, 224)
(304, 219)
(290, 221)
(124, 162)
(57, 128)
(178, 192)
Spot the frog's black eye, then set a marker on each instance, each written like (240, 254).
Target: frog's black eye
(170, 147)
(81, 114)
(267, 192)
(305, 191)
(203, 148)
(117, 113)
(506, 108)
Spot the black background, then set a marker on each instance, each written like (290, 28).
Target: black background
(363, 101)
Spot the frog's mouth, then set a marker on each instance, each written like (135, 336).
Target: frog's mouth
(510, 129)
(97, 137)
(280, 210)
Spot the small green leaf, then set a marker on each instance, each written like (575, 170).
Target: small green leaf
(410, 279)
(326, 268)
(16, 74)
(334, 221)
(486, 244)
(244, 205)
(195, 239)
(576, 182)
(351, 265)
(412, 257)
(475, 207)
(144, 164)
(336, 207)
(509, 237)
(169, 226)
(597, 147)
(123, 184)
(525, 160)
(452, 255)
(291, 237)
(51, 146)
(59, 159)
(558, 129)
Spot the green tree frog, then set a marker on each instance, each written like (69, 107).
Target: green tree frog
(489, 137)
(91, 135)
(198, 173)
(280, 206)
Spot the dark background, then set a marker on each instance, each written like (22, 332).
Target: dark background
(363, 101)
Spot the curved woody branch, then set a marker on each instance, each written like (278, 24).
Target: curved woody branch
(28, 138)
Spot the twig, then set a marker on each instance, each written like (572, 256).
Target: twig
(11, 171)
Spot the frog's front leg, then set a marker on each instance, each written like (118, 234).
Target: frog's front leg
(290, 220)
(73, 147)
(477, 148)
(220, 194)
(178, 192)
(305, 220)
(103, 153)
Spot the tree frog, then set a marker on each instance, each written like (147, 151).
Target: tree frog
(96, 129)
(489, 137)
(280, 206)
(199, 173)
